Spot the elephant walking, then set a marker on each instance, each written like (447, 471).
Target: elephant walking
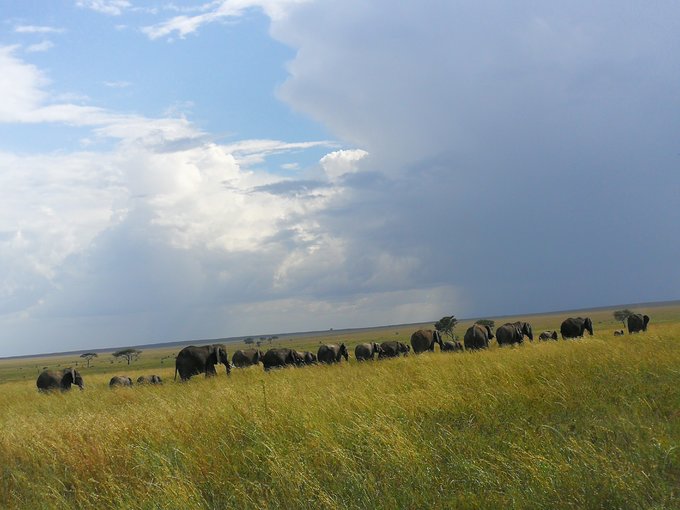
(548, 335)
(637, 322)
(332, 353)
(514, 333)
(274, 358)
(59, 380)
(450, 346)
(120, 380)
(424, 340)
(246, 357)
(477, 336)
(308, 358)
(149, 379)
(393, 348)
(364, 352)
(576, 327)
(193, 360)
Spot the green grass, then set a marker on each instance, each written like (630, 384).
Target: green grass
(578, 424)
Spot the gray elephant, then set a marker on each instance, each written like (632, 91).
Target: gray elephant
(574, 327)
(149, 379)
(193, 360)
(548, 335)
(477, 336)
(424, 340)
(514, 333)
(332, 353)
(246, 357)
(308, 358)
(637, 322)
(393, 348)
(450, 346)
(49, 380)
(120, 380)
(363, 352)
(274, 358)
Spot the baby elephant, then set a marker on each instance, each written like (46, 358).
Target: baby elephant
(449, 346)
(619, 332)
(548, 335)
(120, 380)
(149, 379)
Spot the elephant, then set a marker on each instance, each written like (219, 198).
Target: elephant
(424, 340)
(393, 348)
(120, 380)
(246, 357)
(194, 360)
(514, 333)
(548, 335)
(308, 358)
(149, 379)
(59, 380)
(637, 322)
(477, 336)
(575, 327)
(363, 352)
(449, 346)
(619, 332)
(332, 353)
(280, 358)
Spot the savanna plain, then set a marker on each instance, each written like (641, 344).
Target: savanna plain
(591, 423)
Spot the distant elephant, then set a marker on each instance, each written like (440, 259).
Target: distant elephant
(120, 380)
(619, 332)
(424, 340)
(575, 327)
(449, 346)
(514, 333)
(637, 322)
(363, 352)
(246, 357)
(59, 380)
(477, 336)
(548, 335)
(149, 379)
(274, 358)
(194, 360)
(332, 353)
(308, 358)
(393, 348)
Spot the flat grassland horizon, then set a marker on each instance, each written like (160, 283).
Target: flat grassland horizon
(591, 423)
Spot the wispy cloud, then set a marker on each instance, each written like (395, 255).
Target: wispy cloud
(117, 84)
(34, 29)
(110, 7)
(39, 47)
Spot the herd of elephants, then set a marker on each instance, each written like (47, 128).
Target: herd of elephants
(194, 360)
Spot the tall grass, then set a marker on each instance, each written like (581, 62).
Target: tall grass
(579, 424)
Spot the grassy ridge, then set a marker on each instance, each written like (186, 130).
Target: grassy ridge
(580, 424)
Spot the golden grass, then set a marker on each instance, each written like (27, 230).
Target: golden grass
(593, 423)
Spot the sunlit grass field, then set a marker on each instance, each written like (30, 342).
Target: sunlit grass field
(592, 423)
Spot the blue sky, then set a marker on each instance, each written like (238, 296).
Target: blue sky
(184, 170)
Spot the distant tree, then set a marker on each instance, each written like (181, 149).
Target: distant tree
(487, 322)
(446, 325)
(128, 354)
(249, 340)
(622, 315)
(88, 356)
(258, 343)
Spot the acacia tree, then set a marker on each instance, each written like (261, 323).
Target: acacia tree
(446, 325)
(487, 322)
(129, 354)
(88, 356)
(622, 315)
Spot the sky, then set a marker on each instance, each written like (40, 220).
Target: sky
(186, 170)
